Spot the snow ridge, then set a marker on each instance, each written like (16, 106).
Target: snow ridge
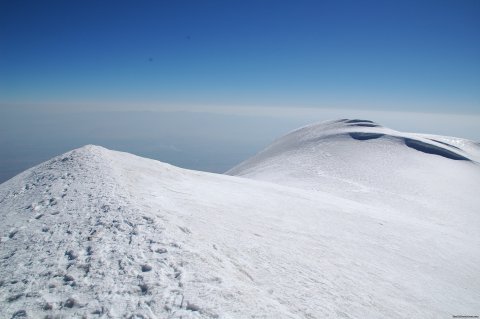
(379, 229)
(92, 241)
(355, 157)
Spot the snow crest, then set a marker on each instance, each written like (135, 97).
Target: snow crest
(102, 234)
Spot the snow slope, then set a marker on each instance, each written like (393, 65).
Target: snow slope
(362, 160)
(105, 234)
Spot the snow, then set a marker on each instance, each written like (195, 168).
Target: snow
(390, 169)
(325, 226)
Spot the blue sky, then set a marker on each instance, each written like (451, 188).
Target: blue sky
(205, 84)
(385, 55)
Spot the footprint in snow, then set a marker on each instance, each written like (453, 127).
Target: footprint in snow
(146, 268)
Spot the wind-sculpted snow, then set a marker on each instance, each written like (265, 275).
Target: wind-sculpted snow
(361, 123)
(101, 234)
(357, 121)
(351, 160)
(426, 147)
(446, 144)
(434, 149)
(362, 136)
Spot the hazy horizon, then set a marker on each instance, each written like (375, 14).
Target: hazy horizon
(251, 70)
(205, 141)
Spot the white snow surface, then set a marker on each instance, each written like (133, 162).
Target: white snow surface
(339, 228)
(324, 157)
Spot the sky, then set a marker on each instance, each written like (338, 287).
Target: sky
(350, 54)
(261, 66)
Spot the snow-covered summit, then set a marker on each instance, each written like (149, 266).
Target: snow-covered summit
(312, 140)
(361, 158)
(102, 234)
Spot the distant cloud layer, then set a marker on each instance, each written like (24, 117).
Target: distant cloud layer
(211, 139)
